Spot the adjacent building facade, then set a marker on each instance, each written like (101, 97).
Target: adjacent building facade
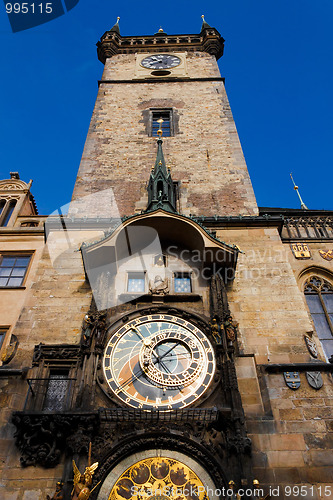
(168, 329)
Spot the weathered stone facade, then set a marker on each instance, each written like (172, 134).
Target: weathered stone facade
(244, 290)
(205, 154)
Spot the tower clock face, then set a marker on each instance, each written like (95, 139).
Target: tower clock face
(160, 61)
(159, 361)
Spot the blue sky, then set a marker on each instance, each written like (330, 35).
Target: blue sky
(279, 79)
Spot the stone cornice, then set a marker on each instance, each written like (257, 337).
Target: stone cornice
(313, 366)
(173, 79)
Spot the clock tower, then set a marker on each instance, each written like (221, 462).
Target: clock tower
(166, 329)
(163, 145)
(176, 78)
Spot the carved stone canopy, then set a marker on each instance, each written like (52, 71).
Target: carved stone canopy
(136, 242)
(174, 229)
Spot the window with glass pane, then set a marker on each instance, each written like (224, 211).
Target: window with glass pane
(13, 269)
(8, 212)
(2, 206)
(136, 282)
(182, 282)
(3, 332)
(166, 124)
(57, 391)
(319, 298)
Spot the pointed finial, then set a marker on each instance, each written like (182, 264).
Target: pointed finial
(115, 27)
(204, 24)
(303, 206)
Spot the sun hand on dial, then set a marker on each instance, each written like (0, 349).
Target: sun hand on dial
(145, 340)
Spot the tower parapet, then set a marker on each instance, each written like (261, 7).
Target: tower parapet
(112, 43)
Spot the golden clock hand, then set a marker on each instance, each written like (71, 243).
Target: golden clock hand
(139, 334)
(145, 340)
(130, 379)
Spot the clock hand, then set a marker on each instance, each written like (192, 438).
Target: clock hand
(181, 356)
(163, 355)
(132, 377)
(138, 333)
(145, 340)
(164, 366)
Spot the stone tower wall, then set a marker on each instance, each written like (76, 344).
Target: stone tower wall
(205, 154)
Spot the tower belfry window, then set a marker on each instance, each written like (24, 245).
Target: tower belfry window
(166, 116)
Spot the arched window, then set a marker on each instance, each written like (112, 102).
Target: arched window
(2, 204)
(8, 212)
(319, 297)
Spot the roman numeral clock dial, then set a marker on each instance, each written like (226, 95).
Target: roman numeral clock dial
(159, 361)
(160, 61)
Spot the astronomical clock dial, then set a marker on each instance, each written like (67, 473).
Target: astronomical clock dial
(160, 61)
(159, 361)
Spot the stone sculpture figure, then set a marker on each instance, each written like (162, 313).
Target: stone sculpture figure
(159, 286)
